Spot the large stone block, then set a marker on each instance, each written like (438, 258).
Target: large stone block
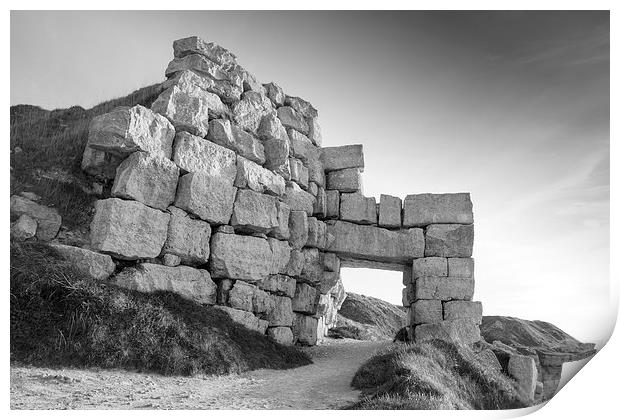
(246, 319)
(444, 288)
(329, 280)
(461, 331)
(227, 91)
(390, 210)
(305, 299)
(275, 93)
(374, 243)
(228, 135)
(295, 264)
(306, 330)
(48, 220)
(292, 119)
(298, 199)
(278, 284)
(99, 163)
(320, 203)
(301, 146)
(209, 197)
(262, 302)
(149, 179)
(241, 296)
(314, 131)
(459, 309)
(345, 180)
(332, 262)
(281, 253)
(185, 112)
(461, 267)
(281, 335)
(275, 141)
(187, 238)
(250, 110)
(192, 84)
(283, 213)
(316, 173)
(281, 314)
(299, 173)
(298, 227)
(426, 209)
(255, 177)
(312, 271)
(339, 294)
(93, 264)
(193, 154)
(189, 283)
(302, 106)
(254, 212)
(430, 266)
(195, 45)
(317, 231)
(342, 157)
(332, 204)
(523, 370)
(240, 257)
(128, 229)
(449, 240)
(425, 312)
(223, 290)
(226, 73)
(354, 207)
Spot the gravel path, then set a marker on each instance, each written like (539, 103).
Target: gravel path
(322, 385)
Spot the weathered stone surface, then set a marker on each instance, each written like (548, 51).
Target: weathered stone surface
(275, 141)
(306, 330)
(149, 179)
(247, 319)
(225, 134)
(192, 84)
(425, 312)
(407, 275)
(303, 107)
(339, 294)
(301, 146)
(99, 163)
(461, 267)
(458, 309)
(316, 173)
(195, 45)
(251, 83)
(93, 264)
(354, 207)
(185, 112)
(241, 296)
(332, 262)
(298, 199)
(390, 209)
(449, 240)
(193, 154)
(278, 284)
(322, 305)
(305, 299)
(314, 131)
(408, 297)
(281, 253)
(461, 331)
(254, 212)
(345, 180)
(24, 228)
(374, 243)
(426, 209)
(523, 370)
(228, 72)
(342, 157)
(282, 231)
(275, 93)
(312, 271)
(255, 177)
(444, 288)
(316, 233)
(320, 203)
(332, 198)
(430, 266)
(48, 219)
(262, 302)
(250, 110)
(225, 229)
(298, 227)
(171, 260)
(292, 119)
(223, 290)
(281, 335)
(128, 229)
(328, 281)
(299, 173)
(240, 257)
(209, 197)
(227, 91)
(295, 263)
(281, 314)
(187, 238)
(313, 188)
(189, 283)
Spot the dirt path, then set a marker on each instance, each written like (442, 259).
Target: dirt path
(322, 385)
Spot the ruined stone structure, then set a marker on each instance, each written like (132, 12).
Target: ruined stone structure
(223, 194)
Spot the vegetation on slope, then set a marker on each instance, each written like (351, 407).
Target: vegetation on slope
(433, 375)
(367, 318)
(62, 318)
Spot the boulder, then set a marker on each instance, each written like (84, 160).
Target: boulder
(430, 266)
(227, 91)
(314, 131)
(246, 319)
(187, 238)
(228, 135)
(282, 231)
(458, 309)
(298, 199)
(254, 212)
(24, 228)
(303, 107)
(345, 180)
(255, 177)
(275, 93)
(89, 263)
(128, 230)
(240, 257)
(292, 119)
(306, 330)
(354, 207)
(47, 218)
(195, 45)
(461, 331)
(312, 271)
(461, 267)
(523, 370)
(250, 110)
(305, 299)
(241, 296)
(281, 313)
(189, 283)
(332, 204)
(278, 284)
(444, 288)
(298, 228)
(209, 197)
(342, 157)
(425, 312)
(390, 209)
(185, 112)
(374, 243)
(299, 173)
(149, 179)
(295, 264)
(195, 155)
(426, 209)
(192, 84)
(281, 335)
(449, 240)
(281, 253)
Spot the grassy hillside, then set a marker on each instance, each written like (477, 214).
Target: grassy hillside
(434, 375)
(61, 318)
(368, 318)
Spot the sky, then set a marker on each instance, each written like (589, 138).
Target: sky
(510, 106)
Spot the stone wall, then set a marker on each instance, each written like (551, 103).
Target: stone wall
(223, 194)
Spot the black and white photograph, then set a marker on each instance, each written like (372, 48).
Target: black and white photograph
(307, 209)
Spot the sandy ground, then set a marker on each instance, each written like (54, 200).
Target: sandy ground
(322, 385)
